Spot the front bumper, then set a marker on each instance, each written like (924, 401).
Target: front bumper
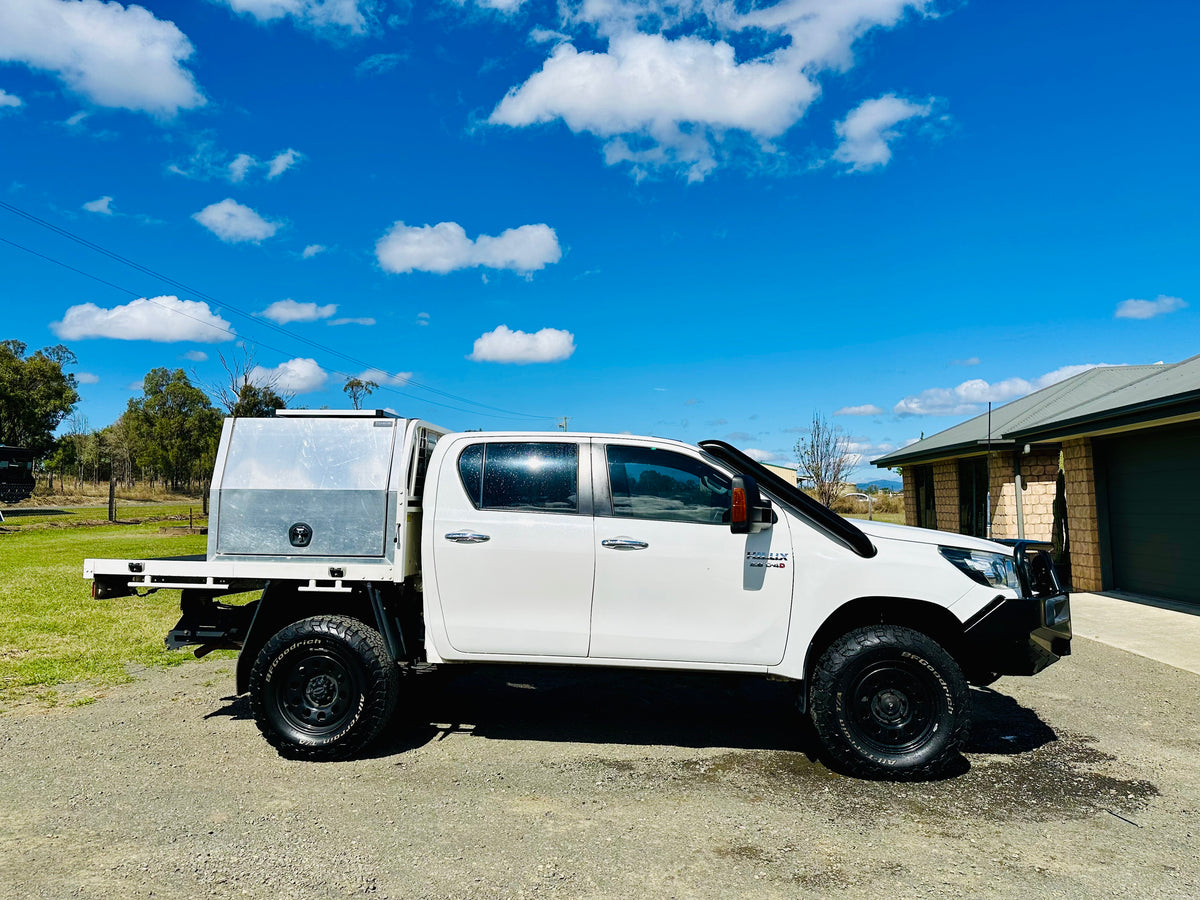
(1020, 635)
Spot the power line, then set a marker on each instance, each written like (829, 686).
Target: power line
(63, 232)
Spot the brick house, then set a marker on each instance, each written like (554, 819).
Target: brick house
(1126, 441)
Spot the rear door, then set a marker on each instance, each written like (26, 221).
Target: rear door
(513, 546)
(672, 581)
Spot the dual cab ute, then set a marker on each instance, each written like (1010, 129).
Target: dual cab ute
(383, 545)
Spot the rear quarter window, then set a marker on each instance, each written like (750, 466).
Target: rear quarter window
(524, 476)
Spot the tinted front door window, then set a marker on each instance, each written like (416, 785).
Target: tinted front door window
(658, 484)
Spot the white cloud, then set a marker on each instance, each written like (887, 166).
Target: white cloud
(546, 36)
(507, 7)
(312, 250)
(283, 161)
(864, 449)
(503, 345)
(102, 205)
(378, 64)
(763, 456)
(196, 356)
(422, 318)
(445, 247)
(868, 410)
(869, 129)
(660, 101)
(647, 87)
(1148, 309)
(972, 396)
(395, 379)
(351, 15)
(242, 164)
(234, 223)
(164, 319)
(87, 378)
(208, 161)
(284, 311)
(115, 56)
(9, 101)
(296, 376)
(360, 321)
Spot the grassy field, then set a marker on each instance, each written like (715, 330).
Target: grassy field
(57, 644)
(896, 518)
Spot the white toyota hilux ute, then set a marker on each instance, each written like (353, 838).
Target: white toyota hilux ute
(373, 546)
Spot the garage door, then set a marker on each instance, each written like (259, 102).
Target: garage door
(1152, 483)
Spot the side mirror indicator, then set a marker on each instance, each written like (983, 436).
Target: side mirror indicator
(749, 513)
(738, 519)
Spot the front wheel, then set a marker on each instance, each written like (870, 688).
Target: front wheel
(889, 702)
(323, 688)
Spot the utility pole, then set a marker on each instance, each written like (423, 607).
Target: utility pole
(562, 423)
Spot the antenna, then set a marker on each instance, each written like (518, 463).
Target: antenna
(988, 511)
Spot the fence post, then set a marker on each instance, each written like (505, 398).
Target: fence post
(112, 498)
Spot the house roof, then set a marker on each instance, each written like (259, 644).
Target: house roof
(1106, 396)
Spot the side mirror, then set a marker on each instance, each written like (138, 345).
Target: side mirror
(749, 512)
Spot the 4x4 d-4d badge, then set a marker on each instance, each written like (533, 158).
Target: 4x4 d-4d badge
(300, 534)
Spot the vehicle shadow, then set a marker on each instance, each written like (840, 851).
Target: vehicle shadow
(655, 708)
(237, 709)
(1003, 726)
(598, 706)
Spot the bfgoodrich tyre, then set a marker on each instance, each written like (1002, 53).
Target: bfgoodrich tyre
(889, 702)
(323, 688)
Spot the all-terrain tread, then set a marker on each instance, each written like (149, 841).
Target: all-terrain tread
(823, 698)
(378, 705)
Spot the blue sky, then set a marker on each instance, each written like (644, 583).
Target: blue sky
(696, 219)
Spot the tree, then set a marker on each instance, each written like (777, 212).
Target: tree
(245, 391)
(358, 390)
(35, 394)
(825, 459)
(173, 427)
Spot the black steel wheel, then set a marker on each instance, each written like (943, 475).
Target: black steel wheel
(889, 702)
(323, 688)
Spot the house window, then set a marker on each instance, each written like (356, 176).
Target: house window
(973, 496)
(923, 484)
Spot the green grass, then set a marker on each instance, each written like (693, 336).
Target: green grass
(57, 644)
(896, 518)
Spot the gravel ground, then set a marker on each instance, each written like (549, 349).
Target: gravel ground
(1081, 782)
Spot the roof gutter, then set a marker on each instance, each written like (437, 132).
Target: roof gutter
(933, 454)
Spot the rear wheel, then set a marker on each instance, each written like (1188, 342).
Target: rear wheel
(889, 702)
(323, 688)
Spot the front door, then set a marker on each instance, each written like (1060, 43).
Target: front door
(672, 581)
(512, 546)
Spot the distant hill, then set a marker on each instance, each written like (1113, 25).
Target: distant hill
(882, 484)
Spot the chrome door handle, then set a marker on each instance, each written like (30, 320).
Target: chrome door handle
(467, 537)
(624, 544)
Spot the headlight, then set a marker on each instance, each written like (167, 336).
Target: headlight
(993, 569)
